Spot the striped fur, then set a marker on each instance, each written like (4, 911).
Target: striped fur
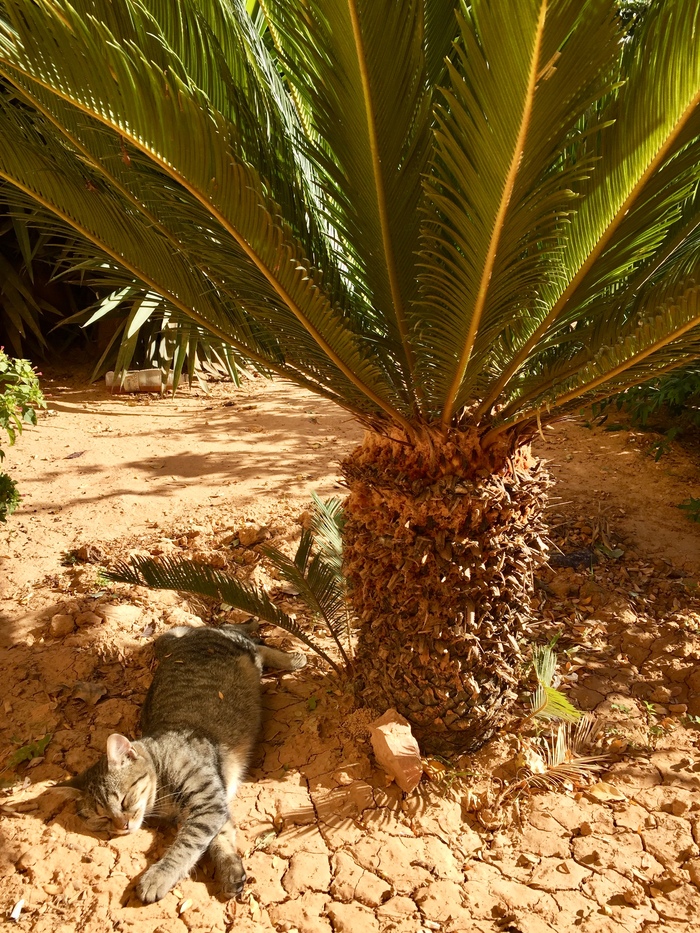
(199, 721)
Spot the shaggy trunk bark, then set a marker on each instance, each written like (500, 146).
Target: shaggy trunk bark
(441, 543)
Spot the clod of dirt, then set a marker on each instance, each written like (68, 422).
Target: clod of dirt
(89, 553)
(61, 624)
(396, 749)
(84, 619)
(249, 535)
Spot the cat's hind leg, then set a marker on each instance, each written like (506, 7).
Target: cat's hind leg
(227, 862)
(281, 660)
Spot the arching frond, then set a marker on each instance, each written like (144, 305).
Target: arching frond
(425, 210)
(191, 577)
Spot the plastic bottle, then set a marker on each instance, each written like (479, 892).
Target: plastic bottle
(145, 380)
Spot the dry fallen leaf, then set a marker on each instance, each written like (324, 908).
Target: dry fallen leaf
(89, 693)
(434, 768)
(604, 792)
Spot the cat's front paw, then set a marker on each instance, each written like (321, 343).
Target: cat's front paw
(155, 884)
(297, 660)
(231, 875)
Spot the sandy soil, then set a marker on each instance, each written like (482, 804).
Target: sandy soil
(329, 845)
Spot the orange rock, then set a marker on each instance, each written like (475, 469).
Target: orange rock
(396, 749)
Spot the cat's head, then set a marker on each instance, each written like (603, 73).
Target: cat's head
(118, 791)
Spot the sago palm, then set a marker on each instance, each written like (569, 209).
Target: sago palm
(450, 222)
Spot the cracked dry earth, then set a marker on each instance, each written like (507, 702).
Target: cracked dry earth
(329, 845)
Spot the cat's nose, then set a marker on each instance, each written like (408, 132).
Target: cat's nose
(120, 823)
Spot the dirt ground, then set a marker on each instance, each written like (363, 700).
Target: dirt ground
(328, 844)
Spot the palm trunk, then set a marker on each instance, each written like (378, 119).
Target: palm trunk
(441, 543)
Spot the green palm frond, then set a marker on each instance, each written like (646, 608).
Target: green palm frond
(327, 521)
(503, 178)
(493, 219)
(192, 577)
(560, 760)
(651, 114)
(50, 174)
(547, 702)
(155, 118)
(318, 585)
(544, 664)
(371, 161)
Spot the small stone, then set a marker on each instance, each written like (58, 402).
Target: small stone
(62, 624)
(679, 807)
(89, 553)
(634, 896)
(527, 860)
(396, 749)
(122, 613)
(352, 918)
(84, 619)
(343, 778)
(693, 869)
(562, 588)
(678, 708)
(585, 829)
(252, 534)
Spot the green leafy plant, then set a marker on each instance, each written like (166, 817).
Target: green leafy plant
(33, 749)
(9, 496)
(691, 507)
(316, 578)
(671, 404)
(453, 242)
(20, 396)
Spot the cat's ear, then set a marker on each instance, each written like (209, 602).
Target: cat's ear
(73, 787)
(119, 751)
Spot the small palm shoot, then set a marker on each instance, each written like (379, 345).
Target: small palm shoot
(547, 702)
(316, 577)
(560, 759)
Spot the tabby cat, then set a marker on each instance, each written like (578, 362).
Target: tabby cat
(199, 722)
